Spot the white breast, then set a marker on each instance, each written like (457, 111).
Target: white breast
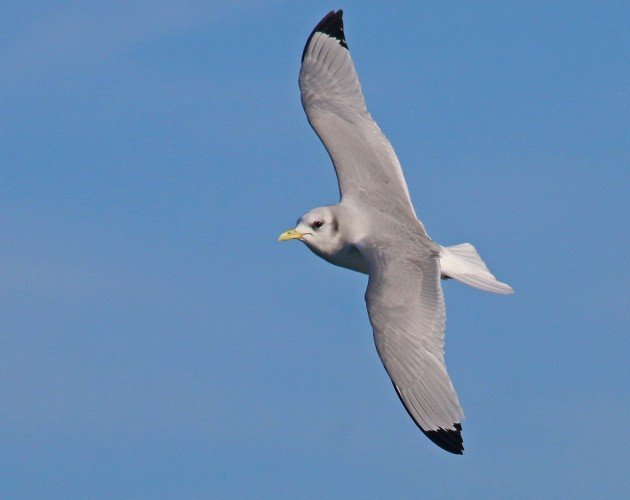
(349, 257)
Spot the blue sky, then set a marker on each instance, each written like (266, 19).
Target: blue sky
(158, 341)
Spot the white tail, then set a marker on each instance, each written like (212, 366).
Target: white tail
(462, 262)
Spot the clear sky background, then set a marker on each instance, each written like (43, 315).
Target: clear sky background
(156, 340)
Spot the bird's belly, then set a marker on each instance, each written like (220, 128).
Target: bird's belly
(350, 258)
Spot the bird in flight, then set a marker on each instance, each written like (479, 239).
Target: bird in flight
(374, 230)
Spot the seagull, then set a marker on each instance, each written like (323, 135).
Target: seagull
(374, 230)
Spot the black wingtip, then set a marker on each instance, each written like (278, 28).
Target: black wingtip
(448, 439)
(332, 25)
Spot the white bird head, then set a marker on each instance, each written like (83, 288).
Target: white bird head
(319, 230)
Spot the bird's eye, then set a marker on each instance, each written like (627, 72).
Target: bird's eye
(317, 224)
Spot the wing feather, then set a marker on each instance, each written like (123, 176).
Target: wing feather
(366, 164)
(406, 309)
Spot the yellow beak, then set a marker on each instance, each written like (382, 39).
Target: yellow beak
(291, 234)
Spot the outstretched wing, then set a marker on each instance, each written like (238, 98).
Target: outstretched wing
(366, 165)
(406, 309)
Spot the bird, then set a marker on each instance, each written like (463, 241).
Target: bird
(374, 230)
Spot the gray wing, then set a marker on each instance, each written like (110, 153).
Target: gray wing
(366, 165)
(406, 308)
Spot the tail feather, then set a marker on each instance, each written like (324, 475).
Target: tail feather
(462, 263)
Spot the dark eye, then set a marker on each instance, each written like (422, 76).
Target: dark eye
(317, 224)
